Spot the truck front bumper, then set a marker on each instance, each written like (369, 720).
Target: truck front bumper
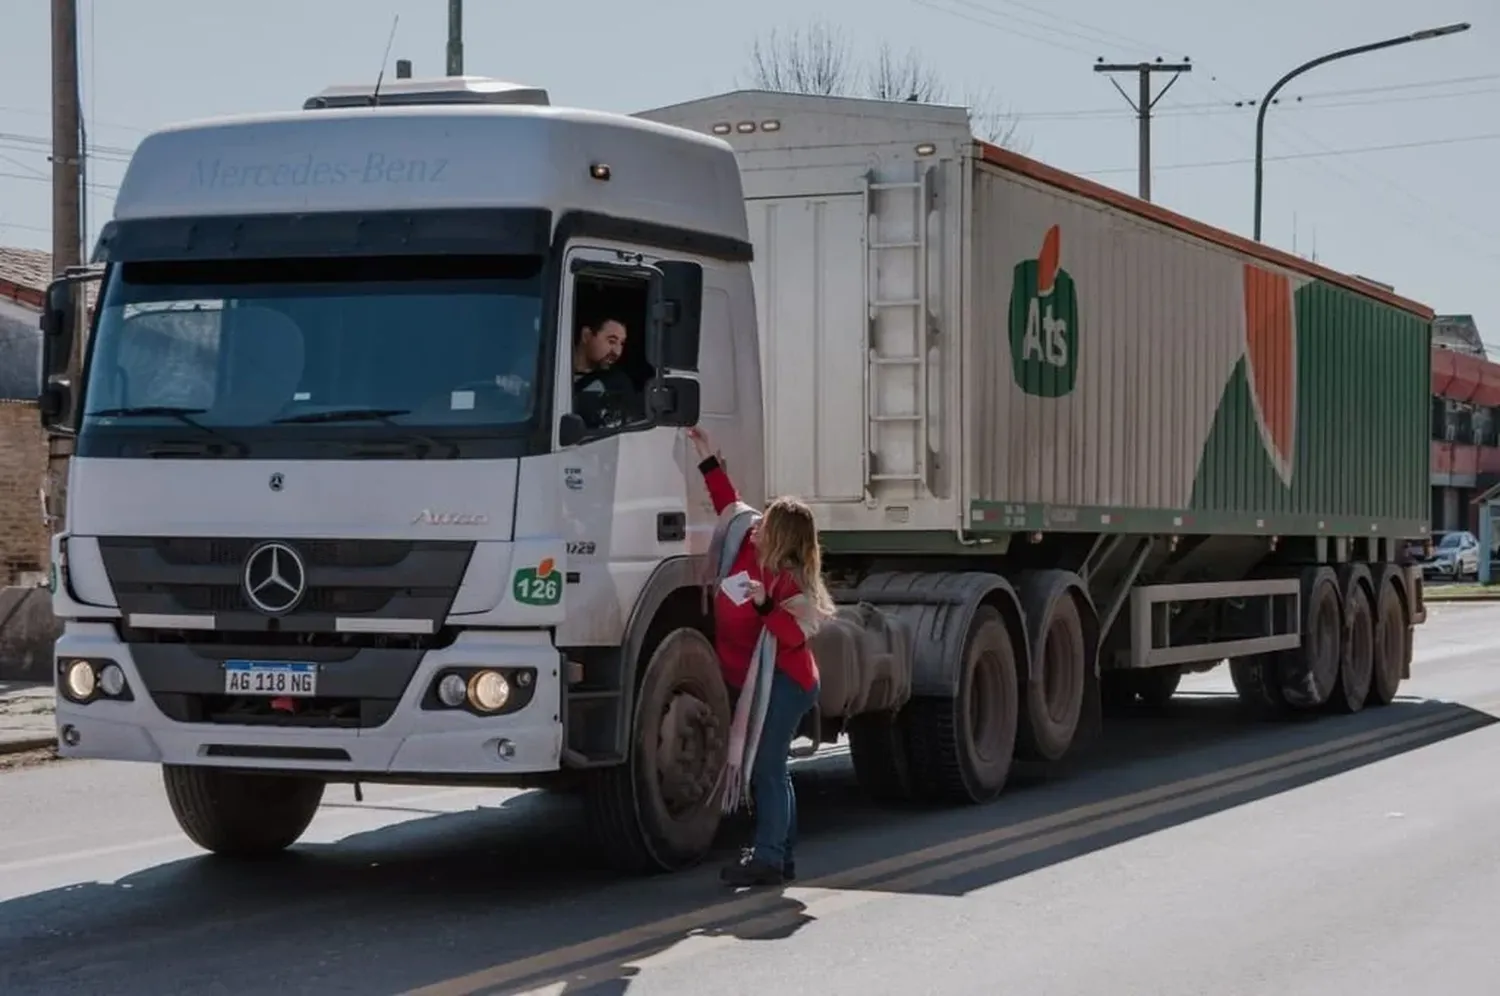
(414, 739)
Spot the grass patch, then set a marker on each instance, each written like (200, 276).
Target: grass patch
(1461, 592)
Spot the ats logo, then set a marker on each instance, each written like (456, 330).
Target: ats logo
(1044, 323)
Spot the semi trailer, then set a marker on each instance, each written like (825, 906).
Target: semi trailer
(336, 514)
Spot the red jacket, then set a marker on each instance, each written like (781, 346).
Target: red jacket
(737, 627)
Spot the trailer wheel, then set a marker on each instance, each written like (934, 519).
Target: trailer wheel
(881, 764)
(1258, 684)
(1357, 666)
(962, 747)
(1157, 685)
(241, 814)
(1389, 647)
(1054, 702)
(1309, 673)
(659, 810)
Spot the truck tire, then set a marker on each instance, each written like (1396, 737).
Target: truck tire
(1389, 646)
(1258, 684)
(1310, 672)
(1157, 685)
(659, 810)
(961, 748)
(877, 746)
(241, 814)
(1357, 665)
(1054, 700)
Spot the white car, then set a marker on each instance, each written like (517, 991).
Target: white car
(1456, 556)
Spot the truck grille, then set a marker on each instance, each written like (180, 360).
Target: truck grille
(345, 578)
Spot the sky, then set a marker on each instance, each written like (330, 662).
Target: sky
(1379, 165)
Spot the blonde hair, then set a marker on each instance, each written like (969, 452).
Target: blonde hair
(788, 541)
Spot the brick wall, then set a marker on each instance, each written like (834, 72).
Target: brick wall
(24, 537)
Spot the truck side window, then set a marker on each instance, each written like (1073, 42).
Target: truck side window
(610, 370)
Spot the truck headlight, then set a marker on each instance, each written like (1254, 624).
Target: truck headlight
(81, 680)
(488, 691)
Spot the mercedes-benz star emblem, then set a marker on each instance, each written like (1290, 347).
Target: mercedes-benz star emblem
(275, 578)
(277, 482)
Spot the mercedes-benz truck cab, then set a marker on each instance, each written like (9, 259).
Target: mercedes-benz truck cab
(342, 504)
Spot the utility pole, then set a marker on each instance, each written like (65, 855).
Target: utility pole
(455, 37)
(67, 204)
(67, 185)
(1145, 103)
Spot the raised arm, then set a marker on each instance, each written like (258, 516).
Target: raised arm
(720, 488)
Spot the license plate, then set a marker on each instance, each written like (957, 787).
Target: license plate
(270, 678)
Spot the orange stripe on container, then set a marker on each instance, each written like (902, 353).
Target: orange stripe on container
(1270, 334)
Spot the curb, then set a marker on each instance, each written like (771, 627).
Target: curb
(1451, 599)
(29, 744)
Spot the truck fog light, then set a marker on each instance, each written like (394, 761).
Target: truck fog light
(488, 691)
(112, 680)
(506, 750)
(523, 679)
(81, 679)
(452, 690)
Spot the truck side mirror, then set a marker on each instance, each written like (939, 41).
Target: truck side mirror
(59, 323)
(571, 430)
(674, 401)
(677, 315)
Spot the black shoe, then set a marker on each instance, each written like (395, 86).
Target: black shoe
(788, 866)
(749, 872)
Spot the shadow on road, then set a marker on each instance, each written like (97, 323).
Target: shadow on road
(446, 894)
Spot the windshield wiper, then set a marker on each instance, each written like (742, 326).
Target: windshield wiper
(183, 415)
(383, 415)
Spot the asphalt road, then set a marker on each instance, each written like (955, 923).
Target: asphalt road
(1198, 852)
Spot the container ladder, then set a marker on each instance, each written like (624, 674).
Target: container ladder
(877, 417)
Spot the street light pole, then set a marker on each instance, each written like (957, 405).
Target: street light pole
(1265, 103)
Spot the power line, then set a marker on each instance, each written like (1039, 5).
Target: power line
(1422, 222)
(1360, 150)
(1222, 108)
(48, 179)
(45, 144)
(24, 228)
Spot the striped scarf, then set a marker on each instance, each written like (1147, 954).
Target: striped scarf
(729, 538)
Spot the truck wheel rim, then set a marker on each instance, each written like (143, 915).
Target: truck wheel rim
(690, 750)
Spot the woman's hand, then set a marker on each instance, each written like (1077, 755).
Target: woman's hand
(700, 442)
(756, 591)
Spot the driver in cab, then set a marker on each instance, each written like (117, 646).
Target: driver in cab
(602, 392)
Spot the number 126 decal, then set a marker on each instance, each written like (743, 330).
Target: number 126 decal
(539, 585)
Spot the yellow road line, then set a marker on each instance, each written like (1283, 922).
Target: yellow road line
(830, 887)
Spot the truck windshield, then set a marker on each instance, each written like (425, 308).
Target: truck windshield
(285, 348)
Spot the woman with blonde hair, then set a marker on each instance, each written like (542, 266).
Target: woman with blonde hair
(769, 600)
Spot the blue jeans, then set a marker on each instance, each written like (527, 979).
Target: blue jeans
(770, 781)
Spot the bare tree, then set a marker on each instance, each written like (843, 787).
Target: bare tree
(903, 78)
(818, 59)
(814, 60)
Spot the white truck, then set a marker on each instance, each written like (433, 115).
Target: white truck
(335, 513)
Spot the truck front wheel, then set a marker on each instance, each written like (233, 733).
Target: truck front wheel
(241, 814)
(659, 811)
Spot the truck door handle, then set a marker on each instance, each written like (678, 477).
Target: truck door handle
(671, 527)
